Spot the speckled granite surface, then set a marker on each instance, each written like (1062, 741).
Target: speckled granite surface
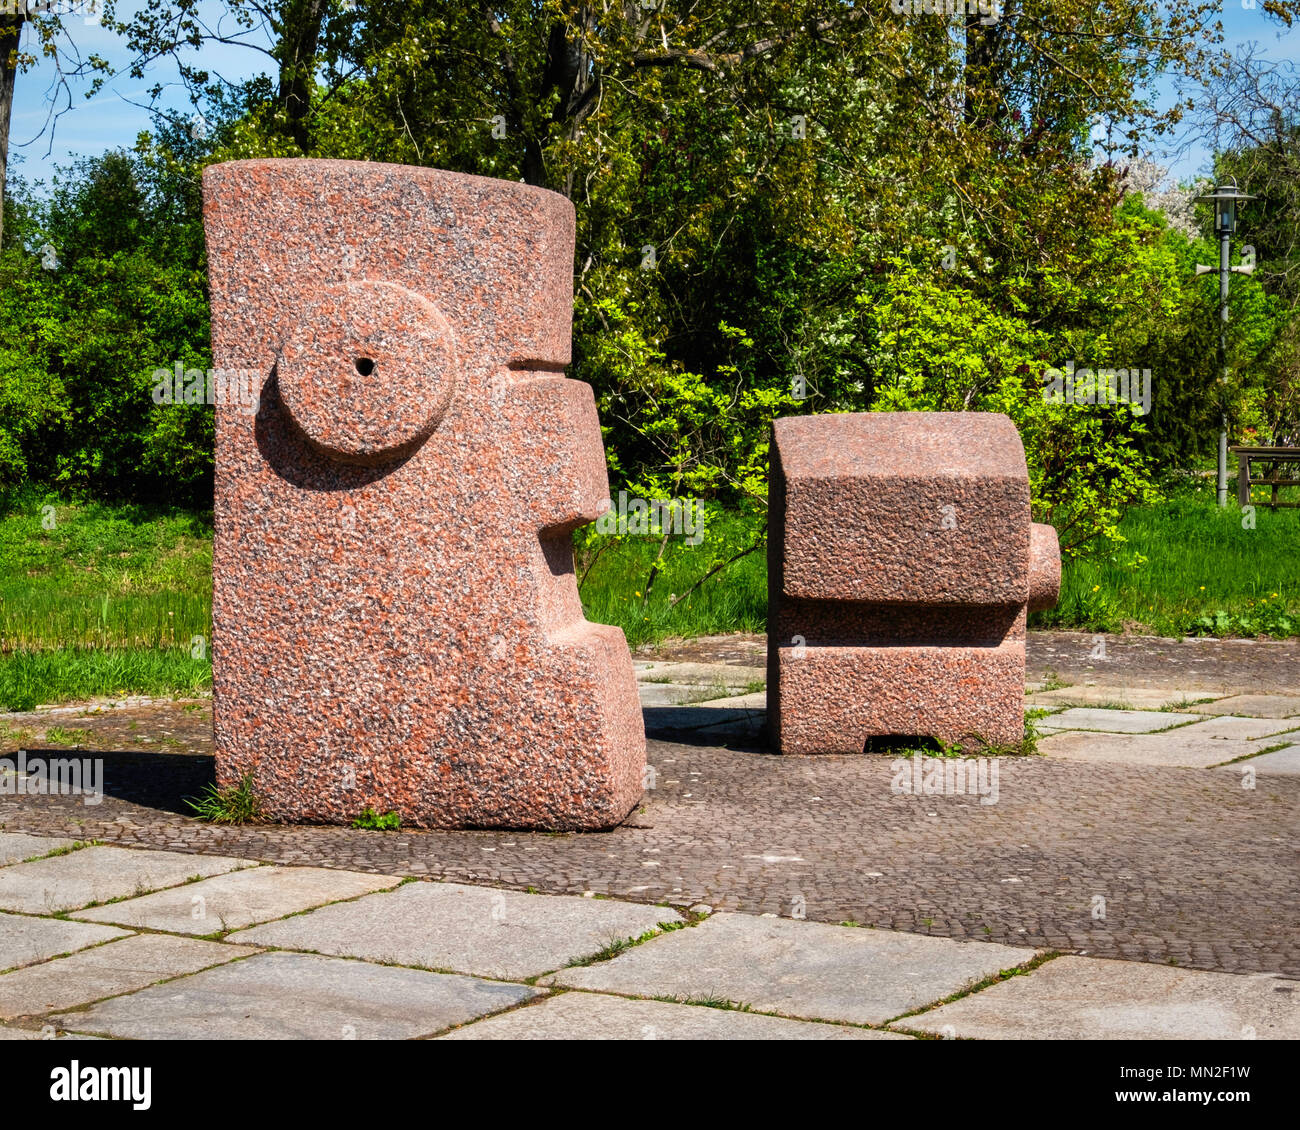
(396, 621)
(901, 562)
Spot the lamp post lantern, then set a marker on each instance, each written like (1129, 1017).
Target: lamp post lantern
(1224, 198)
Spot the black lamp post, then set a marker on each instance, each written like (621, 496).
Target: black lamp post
(1224, 199)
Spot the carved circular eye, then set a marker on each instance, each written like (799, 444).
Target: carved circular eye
(370, 371)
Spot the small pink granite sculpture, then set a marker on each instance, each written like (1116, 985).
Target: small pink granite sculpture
(396, 622)
(901, 563)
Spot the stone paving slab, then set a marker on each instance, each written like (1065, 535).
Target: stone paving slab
(475, 930)
(755, 701)
(592, 1016)
(1112, 721)
(741, 717)
(1254, 706)
(1229, 726)
(8, 1032)
(16, 846)
(239, 899)
(683, 719)
(1131, 698)
(1172, 749)
(703, 674)
(801, 969)
(748, 730)
(107, 971)
(297, 996)
(675, 694)
(97, 874)
(1279, 763)
(1083, 998)
(25, 940)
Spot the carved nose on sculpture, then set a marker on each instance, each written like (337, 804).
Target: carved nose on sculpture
(1044, 567)
(369, 372)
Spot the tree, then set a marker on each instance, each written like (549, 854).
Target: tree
(79, 344)
(288, 33)
(11, 29)
(776, 198)
(1252, 116)
(54, 42)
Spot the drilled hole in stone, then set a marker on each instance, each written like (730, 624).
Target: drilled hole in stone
(365, 365)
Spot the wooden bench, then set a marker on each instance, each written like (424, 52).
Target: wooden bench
(1281, 468)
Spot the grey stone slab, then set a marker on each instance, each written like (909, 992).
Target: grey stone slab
(97, 874)
(592, 1016)
(1279, 763)
(1172, 749)
(1085, 998)
(677, 719)
(798, 968)
(1112, 721)
(1129, 698)
(17, 846)
(47, 1032)
(749, 728)
(297, 996)
(477, 930)
(1229, 726)
(1254, 706)
(239, 899)
(755, 701)
(718, 719)
(1189, 751)
(703, 674)
(107, 971)
(26, 940)
(675, 694)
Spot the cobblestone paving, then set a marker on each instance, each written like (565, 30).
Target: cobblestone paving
(164, 725)
(1194, 869)
(1211, 666)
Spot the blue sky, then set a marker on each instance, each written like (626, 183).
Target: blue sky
(114, 117)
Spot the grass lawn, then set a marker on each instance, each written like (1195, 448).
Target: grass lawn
(1189, 568)
(102, 600)
(108, 600)
(614, 588)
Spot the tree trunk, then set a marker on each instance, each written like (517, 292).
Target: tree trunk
(983, 103)
(11, 30)
(299, 39)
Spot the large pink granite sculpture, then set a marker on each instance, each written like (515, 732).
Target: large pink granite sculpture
(396, 622)
(901, 563)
